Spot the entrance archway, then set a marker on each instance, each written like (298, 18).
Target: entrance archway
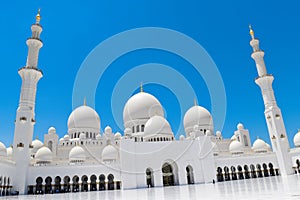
(75, 184)
(39, 185)
(111, 183)
(220, 177)
(48, 186)
(93, 186)
(169, 174)
(67, 187)
(102, 182)
(226, 171)
(189, 174)
(57, 186)
(149, 177)
(84, 186)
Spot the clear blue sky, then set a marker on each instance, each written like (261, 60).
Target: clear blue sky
(73, 28)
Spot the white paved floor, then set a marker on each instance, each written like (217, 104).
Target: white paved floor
(262, 188)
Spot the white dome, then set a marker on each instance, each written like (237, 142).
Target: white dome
(66, 137)
(233, 137)
(197, 115)
(218, 134)
(182, 138)
(141, 106)
(77, 153)
(98, 136)
(297, 139)
(44, 154)
(118, 136)
(240, 126)
(108, 130)
(236, 147)
(84, 117)
(51, 130)
(109, 153)
(260, 146)
(9, 151)
(36, 144)
(157, 125)
(3, 151)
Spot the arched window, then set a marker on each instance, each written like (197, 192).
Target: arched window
(137, 128)
(143, 128)
(133, 129)
(245, 140)
(50, 145)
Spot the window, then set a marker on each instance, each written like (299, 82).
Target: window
(143, 128)
(137, 128)
(133, 129)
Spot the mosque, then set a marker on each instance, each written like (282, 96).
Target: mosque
(147, 154)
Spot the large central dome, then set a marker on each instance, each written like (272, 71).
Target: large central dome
(141, 106)
(84, 117)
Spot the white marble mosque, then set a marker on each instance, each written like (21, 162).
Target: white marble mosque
(147, 153)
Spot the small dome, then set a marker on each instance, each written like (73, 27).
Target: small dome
(182, 138)
(98, 136)
(61, 140)
(36, 144)
(240, 126)
(66, 137)
(9, 151)
(77, 153)
(84, 117)
(157, 125)
(108, 130)
(118, 136)
(236, 147)
(3, 151)
(44, 154)
(297, 139)
(141, 106)
(197, 115)
(109, 153)
(51, 130)
(260, 146)
(218, 134)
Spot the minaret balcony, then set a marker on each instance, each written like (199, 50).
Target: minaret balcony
(266, 75)
(28, 67)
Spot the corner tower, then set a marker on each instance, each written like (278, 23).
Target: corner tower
(25, 118)
(275, 123)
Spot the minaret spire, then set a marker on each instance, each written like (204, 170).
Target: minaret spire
(273, 115)
(25, 119)
(38, 16)
(141, 87)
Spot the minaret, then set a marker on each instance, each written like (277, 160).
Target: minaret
(25, 119)
(273, 114)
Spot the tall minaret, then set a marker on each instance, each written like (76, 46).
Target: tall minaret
(273, 114)
(25, 119)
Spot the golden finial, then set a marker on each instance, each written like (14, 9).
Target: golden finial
(84, 101)
(142, 90)
(195, 102)
(251, 31)
(298, 130)
(38, 16)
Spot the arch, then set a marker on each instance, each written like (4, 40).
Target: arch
(259, 172)
(226, 171)
(170, 176)
(67, 187)
(93, 185)
(75, 180)
(271, 168)
(240, 172)
(48, 185)
(265, 169)
(111, 183)
(137, 128)
(57, 185)
(102, 182)
(233, 173)
(220, 177)
(246, 171)
(39, 185)
(190, 174)
(245, 140)
(84, 183)
(253, 172)
(133, 129)
(149, 177)
(142, 128)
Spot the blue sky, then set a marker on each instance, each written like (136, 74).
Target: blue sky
(72, 29)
